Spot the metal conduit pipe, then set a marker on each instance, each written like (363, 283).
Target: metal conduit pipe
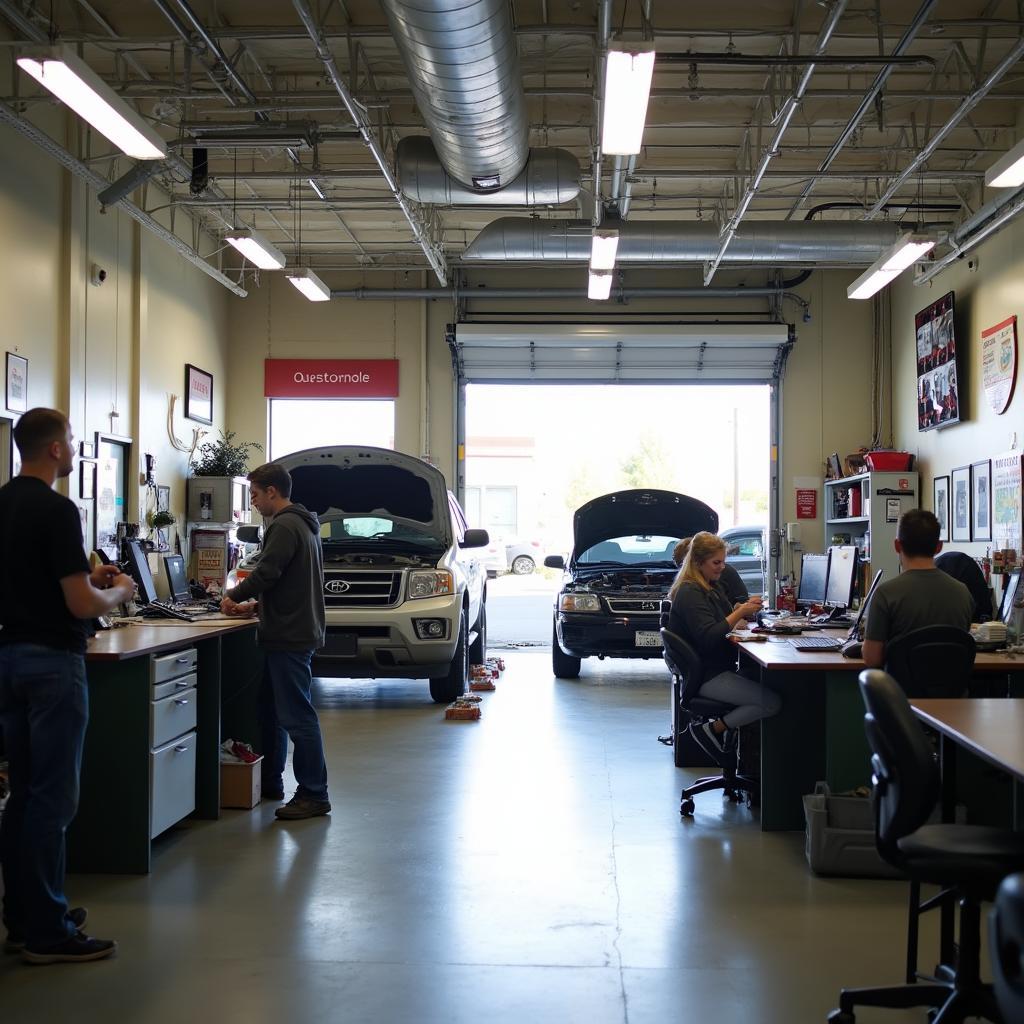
(95, 181)
(323, 51)
(604, 22)
(463, 66)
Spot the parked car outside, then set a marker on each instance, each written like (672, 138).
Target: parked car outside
(493, 557)
(619, 570)
(746, 552)
(522, 555)
(404, 586)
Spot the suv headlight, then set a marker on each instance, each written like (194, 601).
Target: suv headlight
(435, 583)
(579, 603)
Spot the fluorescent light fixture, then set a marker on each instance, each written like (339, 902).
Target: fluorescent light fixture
(309, 284)
(255, 248)
(907, 249)
(315, 186)
(627, 88)
(604, 244)
(1008, 170)
(72, 81)
(600, 285)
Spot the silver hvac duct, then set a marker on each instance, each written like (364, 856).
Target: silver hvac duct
(463, 67)
(514, 238)
(551, 177)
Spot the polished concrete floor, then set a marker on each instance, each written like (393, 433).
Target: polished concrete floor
(528, 868)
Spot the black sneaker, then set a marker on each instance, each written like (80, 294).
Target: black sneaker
(79, 948)
(16, 943)
(718, 741)
(302, 807)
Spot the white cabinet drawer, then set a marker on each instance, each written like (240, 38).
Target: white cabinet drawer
(161, 690)
(179, 663)
(171, 717)
(172, 780)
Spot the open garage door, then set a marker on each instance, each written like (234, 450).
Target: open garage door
(608, 353)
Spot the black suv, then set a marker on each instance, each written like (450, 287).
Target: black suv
(619, 570)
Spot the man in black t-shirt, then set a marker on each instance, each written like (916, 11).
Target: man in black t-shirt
(43, 696)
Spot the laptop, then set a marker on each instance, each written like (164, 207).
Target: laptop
(827, 643)
(177, 585)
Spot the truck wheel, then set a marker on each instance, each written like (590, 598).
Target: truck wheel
(453, 685)
(478, 649)
(562, 665)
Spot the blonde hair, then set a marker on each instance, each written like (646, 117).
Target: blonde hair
(679, 551)
(702, 546)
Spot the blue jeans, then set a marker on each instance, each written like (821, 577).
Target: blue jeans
(288, 711)
(44, 708)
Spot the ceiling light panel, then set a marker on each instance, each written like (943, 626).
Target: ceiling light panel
(256, 249)
(627, 88)
(309, 284)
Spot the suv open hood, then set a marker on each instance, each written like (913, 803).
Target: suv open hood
(361, 481)
(639, 512)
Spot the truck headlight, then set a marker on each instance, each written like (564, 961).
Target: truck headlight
(435, 583)
(579, 603)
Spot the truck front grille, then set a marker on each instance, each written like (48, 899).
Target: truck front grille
(350, 588)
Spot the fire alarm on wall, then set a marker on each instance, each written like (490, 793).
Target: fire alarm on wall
(97, 275)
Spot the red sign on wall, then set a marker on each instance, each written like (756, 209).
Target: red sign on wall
(806, 503)
(330, 378)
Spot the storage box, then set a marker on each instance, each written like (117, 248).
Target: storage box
(889, 461)
(841, 836)
(240, 784)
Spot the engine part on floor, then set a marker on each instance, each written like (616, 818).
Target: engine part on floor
(465, 709)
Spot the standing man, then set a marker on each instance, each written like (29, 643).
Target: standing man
(44, 702)
(921, 595)
(288, 579)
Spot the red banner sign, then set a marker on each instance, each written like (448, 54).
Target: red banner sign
(330, 378)
(806, 503)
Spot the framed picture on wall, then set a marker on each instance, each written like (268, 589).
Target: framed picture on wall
(163, 498)
(87, 480)
(981, 500)
(940, 505)
(198, 394)
(960, 505)
(17, 383)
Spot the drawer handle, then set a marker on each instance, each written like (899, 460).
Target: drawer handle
(183, 661)
(180, 685)
(181, 700)
(181, 750)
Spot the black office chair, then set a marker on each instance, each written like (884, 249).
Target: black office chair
(935, 661)
(685, 666)
(1006, 942)
(971, 859)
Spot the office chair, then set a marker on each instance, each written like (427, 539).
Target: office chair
(934, 661)
(1006, 943)
(962, 567)
(970, 859)
(684, 664)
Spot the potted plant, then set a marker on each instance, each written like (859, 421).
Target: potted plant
(223, 457)
(218, 491)
(160, 520)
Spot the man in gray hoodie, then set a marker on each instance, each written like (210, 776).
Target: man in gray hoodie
(288, 580)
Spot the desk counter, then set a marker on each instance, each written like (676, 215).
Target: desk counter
(991, 727)
(137, 640)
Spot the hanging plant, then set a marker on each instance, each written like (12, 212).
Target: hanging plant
(223, 457)
(160, 520)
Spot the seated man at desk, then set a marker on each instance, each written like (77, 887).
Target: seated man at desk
(921, 595)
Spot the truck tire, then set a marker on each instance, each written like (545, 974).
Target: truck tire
(447, 688)
(563, 666)
(478, 649)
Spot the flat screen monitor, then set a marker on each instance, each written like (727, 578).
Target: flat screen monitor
(177, 580)
(138, 568)
(842, 575)
(1011, 594)
(813, 577)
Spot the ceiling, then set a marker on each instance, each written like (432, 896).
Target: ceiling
(713, 152)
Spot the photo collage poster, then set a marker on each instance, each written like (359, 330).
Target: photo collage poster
(938, 402)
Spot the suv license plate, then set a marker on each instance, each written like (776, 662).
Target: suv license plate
(646, 638)
(341, 645)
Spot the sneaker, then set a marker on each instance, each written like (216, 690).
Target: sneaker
(76, 915)
(718, 741)
(301, 807)
(78, 948)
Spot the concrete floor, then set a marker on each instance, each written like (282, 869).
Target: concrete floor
(528, 868)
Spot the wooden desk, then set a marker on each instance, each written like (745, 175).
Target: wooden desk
(110, 833)
(819, 733)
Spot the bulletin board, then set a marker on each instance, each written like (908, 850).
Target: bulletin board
(1006, 501)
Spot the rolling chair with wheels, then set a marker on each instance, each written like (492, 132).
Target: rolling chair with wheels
(684, 664)
(970, 859)
(934, 661)
(1006, 942)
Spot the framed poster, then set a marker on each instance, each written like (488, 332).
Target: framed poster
(198, 394)
(1006, 501)
(940, 504)
(961, 503)
(163, 498)
(999, 363)
(981, 500)
(938, 402)
(17, 383)
(87, 480)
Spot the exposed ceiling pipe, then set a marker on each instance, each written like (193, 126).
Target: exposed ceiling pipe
(432, 252)
(853, 243)
(463, 66)
(786, 60)
(604, 22)
(961, 112)
(771, 150)
(867, 102)
(95, 181)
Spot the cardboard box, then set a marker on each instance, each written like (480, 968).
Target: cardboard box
(240, 784)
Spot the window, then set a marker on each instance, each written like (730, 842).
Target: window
(745, 547)
(297, 424)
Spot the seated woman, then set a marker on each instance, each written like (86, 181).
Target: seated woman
(703, 615)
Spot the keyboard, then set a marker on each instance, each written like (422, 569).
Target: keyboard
(816, 643)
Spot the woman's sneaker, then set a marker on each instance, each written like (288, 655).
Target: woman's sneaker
(78, 948)
(717, 740)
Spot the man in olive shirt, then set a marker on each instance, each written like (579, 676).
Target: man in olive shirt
(921, 595)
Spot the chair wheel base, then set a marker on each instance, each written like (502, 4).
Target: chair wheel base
(686, 808)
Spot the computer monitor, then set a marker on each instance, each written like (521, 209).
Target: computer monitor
(813, 577)
(137, 566)
(867, 600)
(1011, 594)
(842, 575)
(177, 580)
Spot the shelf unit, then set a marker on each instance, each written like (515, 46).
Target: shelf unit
(878, 499)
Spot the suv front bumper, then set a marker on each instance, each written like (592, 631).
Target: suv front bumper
(593, 634)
